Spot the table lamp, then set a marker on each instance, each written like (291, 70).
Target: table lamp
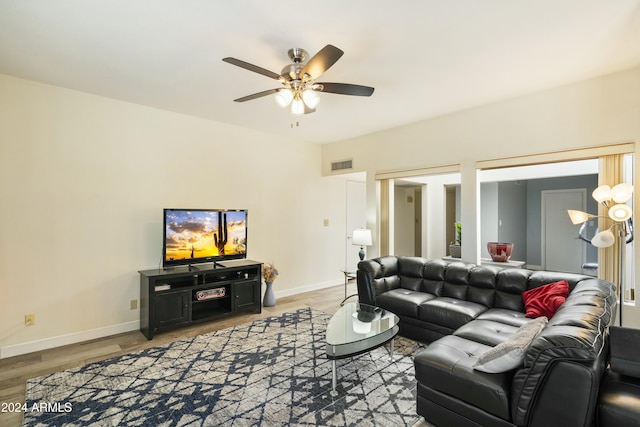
(362, 238)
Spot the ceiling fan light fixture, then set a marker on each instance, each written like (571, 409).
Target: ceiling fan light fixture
(299, 89)
(284, 97)
(297, 106)
(310, 97)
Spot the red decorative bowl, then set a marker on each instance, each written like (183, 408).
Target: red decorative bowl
(500, 252)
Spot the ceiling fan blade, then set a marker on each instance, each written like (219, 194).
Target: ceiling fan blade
(322, 61)
(347, 89)
(256, 95)
(251, 67)
(308, 110)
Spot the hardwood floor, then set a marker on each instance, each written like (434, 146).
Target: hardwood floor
(15, 371)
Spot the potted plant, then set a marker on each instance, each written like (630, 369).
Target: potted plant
(455, 248)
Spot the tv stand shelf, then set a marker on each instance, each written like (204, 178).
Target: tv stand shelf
(173, 297)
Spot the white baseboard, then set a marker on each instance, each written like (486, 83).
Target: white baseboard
(47, 343)
(308, 288)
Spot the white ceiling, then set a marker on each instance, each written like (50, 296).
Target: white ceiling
(424, 57)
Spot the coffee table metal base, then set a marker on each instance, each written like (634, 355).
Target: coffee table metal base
(334, 369)
(356, 329)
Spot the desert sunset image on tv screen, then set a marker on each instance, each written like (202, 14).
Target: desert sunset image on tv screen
(203, 234)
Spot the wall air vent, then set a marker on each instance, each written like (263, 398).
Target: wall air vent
(338, 166)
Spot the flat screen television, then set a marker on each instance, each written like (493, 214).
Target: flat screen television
(193, 236)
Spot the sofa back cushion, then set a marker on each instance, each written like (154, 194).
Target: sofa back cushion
(624, 351)
(411, 272)
(490, 286)
(511, 283)
(540, 278)
(482, 286)
(509, 287)
(421, 275)
(456, 281)
(433, 277)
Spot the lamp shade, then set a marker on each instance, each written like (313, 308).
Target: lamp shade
(362, 237)
(602, 193)
(284, 97)
(578, 217)
(603, 239)
(621, 192)
(310, 98)
(297, 106)
(620, 212)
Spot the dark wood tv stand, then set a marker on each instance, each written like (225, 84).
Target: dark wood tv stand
(173, 297)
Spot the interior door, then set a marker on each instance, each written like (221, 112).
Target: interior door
(356, 218)
(561, 249)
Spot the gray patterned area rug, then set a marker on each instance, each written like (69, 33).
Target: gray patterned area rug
(271, 372)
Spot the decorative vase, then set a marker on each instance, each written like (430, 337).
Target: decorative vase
(269, 296)
(455, 251)
(500, 252)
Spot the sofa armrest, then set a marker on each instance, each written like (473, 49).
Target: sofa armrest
(376, 276)
(624, 356)
(366, 292)
(567, 397)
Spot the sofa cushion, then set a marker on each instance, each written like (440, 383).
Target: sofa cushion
(482, 285)
(540, 278)
(446, 366)
(403, 302)
(510, 283)
(449, 312)
(506, 316)
(486, 332)
(410, 271)
(545, 300)
(456, 280)
(434, 277)
(510, 353)
(411, 266)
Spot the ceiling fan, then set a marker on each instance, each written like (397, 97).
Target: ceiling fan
(298, 80)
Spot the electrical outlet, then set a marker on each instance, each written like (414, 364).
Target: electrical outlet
(29, 319)
(133, 304)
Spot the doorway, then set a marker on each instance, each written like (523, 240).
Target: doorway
(407, 218)
(512, 210)
(356, 218)
(561, 251)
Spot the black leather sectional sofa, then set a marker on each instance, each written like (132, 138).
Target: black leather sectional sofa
(464, 310)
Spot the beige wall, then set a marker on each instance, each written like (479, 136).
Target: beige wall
(592, 113)
(83, 180)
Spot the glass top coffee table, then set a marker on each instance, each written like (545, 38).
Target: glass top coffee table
(356, 329)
